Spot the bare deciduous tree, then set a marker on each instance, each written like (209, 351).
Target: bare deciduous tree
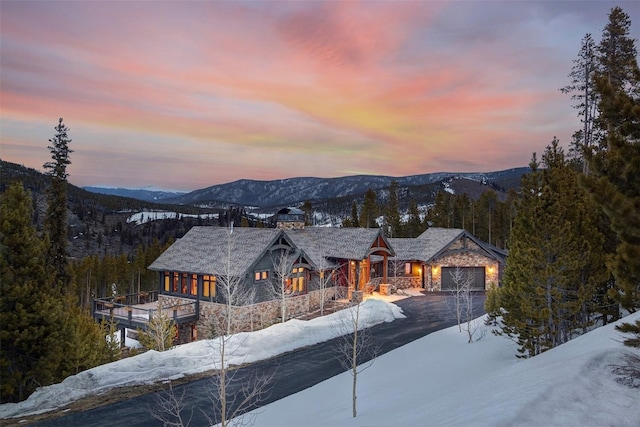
(470, 322)
(172, 405)
(326, 279)
(231, 395)
(462, 302)
(461, 283)
(356, 350)
(283, 261)
(229, 406)
(396, 266)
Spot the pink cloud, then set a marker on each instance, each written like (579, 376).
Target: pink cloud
(374, 87)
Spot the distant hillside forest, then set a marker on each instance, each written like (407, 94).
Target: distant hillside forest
(112, 239)
(97, 223)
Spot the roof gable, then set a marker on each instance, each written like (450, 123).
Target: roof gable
(435, 241)
(206, 250)
(320, 243)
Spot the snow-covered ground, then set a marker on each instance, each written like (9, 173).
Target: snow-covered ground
(193, 358)
(439, 380)
(147, 216)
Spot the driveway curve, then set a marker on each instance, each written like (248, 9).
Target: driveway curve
(293, 371)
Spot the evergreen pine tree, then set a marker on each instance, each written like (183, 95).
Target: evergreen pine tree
(85, 342)
(614, 169)
(585, 98)
(414, 223)
(440, 213)
(160, 332)
(56, 216)
(307, 208)
(369, 212)
(30, 316)
(631, 328)
(355, 222)
(392, 211)
(548, 280)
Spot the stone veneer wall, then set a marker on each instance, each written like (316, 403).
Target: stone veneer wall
(251, 317)
(400, 282)
(464, 259)
(290, 225)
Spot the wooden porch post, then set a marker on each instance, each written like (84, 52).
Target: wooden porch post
(385, 268)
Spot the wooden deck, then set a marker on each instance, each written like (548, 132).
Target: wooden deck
(127, 313)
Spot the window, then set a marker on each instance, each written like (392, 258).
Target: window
(175, 282)
(297, 280)
(183, 288)
(209, 286)
(407, 268)
(298, 284)
(260, 275)
(194, 284)
(167, 281)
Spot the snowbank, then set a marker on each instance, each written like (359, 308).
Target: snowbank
(440, 380)
(192, 358)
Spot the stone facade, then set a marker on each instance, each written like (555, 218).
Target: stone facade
(462, 259)
(250, 317)
(290, 225)
(400, 282)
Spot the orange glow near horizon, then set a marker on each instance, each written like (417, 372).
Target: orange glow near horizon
(187, 95)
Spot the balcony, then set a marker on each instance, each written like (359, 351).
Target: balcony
(135, 310)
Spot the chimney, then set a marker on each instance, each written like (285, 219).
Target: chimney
(290, 219)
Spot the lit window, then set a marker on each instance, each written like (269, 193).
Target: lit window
(208, 286)
(194, 284)
(298, 284)
(183, 288)
(176, 277)
(297, 281)
(167, 281)
(407, 268)
(261, 275)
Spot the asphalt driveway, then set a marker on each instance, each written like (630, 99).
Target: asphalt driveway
(293, 371)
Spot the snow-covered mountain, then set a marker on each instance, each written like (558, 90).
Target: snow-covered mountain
(293, 191)
(150, 194)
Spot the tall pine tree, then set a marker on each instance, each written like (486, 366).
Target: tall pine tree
(614, 168)
(56, 216)
(392, 212)
(585, 98)
(369, 211)
(31, 312)
(548, 279)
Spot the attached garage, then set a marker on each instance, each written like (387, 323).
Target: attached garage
(475, 273)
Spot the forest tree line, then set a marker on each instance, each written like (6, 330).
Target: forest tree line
(574, 251)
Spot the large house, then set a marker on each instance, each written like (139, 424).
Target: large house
(322, 264)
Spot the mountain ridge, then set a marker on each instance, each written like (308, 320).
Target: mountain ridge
(292, 191)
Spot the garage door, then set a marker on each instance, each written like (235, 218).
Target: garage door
(449, 280)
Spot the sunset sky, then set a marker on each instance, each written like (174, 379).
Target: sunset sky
(184, 95)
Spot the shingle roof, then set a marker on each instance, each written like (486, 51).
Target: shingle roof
(204, 250)
(434, 240)
(406, 248)
(344, 243)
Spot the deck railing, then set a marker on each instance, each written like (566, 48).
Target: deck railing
(134, 310)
